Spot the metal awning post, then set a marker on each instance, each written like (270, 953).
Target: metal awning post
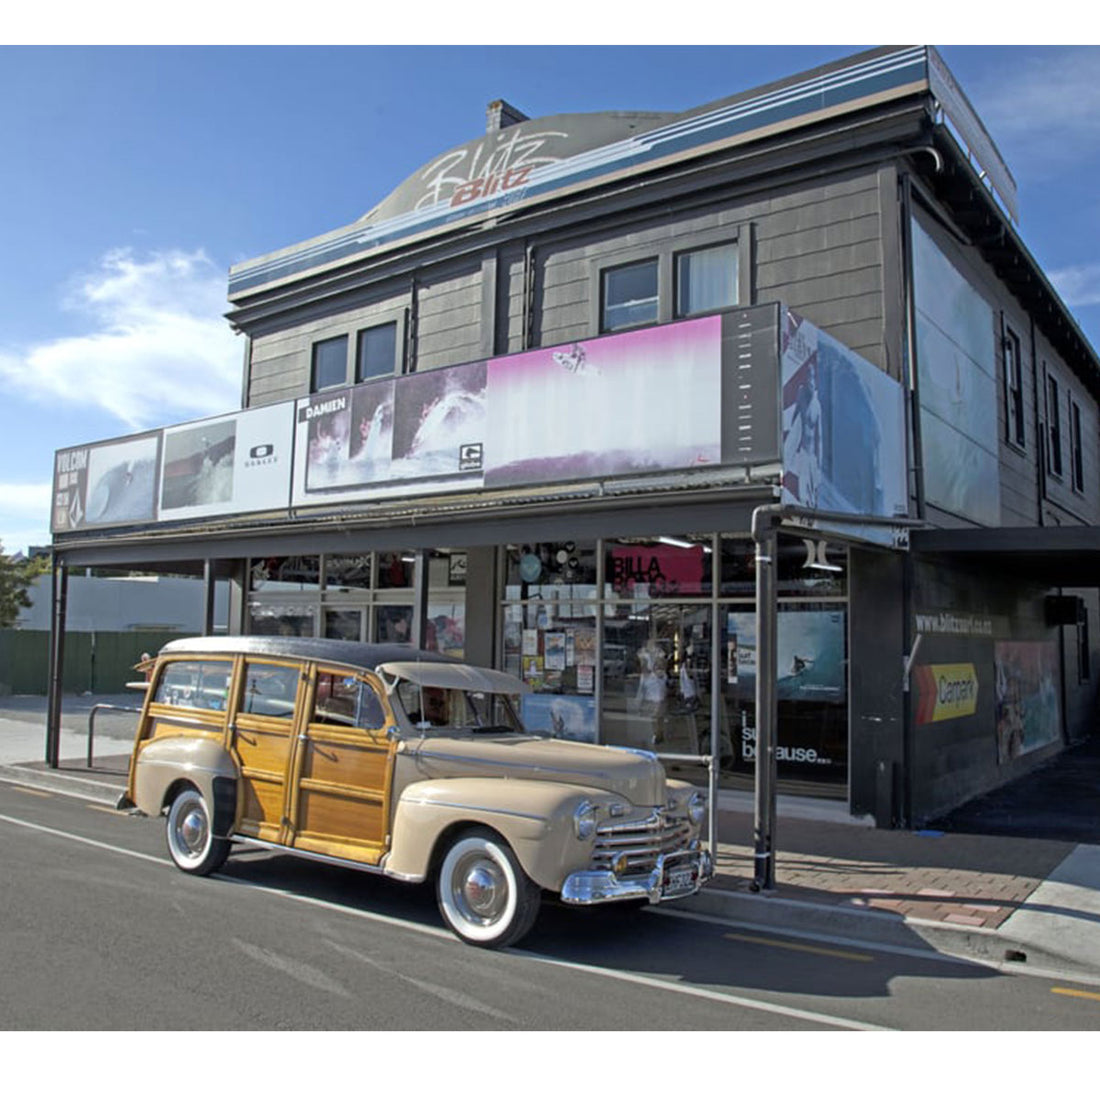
(420, 599)
(209, 583)
(60, 595)
(765, 534)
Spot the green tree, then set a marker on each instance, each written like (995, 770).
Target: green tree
(15, 578)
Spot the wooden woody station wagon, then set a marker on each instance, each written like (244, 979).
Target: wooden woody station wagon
(408, 764)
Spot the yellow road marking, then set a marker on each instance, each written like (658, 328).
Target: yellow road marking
(105, 809)
(33, 790)
(1076, 993)
(854, 956)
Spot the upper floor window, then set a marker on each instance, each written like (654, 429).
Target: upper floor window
(330, 364)
(1076, 446)
(629, 296)
(706, 279)
(1014, 390)
(1054, 427)
(376, 352)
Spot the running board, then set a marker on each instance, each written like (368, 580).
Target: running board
(318, 857)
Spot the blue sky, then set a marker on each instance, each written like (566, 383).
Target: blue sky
(134, 176)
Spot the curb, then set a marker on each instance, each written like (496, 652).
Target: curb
(94, 790)
(981, 946)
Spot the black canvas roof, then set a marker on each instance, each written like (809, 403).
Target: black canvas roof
(359, 654)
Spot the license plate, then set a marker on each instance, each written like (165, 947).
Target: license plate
(678, 880)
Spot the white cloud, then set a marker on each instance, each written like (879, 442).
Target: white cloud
(1048, 102)
(25, 512)
(157, 349)
(1079, 285)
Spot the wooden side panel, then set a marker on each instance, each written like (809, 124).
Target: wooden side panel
(263, 755)
(343, 794)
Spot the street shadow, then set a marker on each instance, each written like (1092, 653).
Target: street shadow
(652, 943)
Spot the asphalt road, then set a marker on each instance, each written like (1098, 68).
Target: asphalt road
(98, 931)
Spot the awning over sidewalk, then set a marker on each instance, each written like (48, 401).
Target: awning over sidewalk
(1067, 557)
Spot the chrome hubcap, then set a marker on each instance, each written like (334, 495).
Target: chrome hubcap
(192, 830)
(482, 892)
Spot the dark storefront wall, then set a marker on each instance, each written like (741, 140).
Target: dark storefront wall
(987, 697)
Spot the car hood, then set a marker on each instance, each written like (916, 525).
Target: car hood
(632, 773)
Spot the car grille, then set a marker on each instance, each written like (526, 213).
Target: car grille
(641, 840)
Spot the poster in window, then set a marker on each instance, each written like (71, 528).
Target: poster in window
(570, 717)
(554, 642)
(811, 691)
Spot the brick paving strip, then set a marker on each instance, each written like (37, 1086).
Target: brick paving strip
(972, 881)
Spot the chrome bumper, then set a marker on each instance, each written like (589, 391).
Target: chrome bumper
(596, 887)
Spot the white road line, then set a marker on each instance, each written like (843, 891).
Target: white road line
(602, 971)
(709, 994)
(84, 840)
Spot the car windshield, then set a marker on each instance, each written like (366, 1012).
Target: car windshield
(430, 707)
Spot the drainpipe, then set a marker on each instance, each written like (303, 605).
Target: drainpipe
(765, 534)
(766, 521)
(912, 391)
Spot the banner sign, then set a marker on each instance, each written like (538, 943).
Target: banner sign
(232, 464)
(227, 465)
(106, 484)
(843, 428)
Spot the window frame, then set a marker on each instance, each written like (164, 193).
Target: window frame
(665, 250)
(397, 319)
(682, 253)
(656, 298)
(314, 349)
(1076, 447)
(1054, 427)
(1012, 357)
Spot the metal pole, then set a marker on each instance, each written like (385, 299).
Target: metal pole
(208, 589)
(57, 664)
(715, 690)
(766, 537)
(420, 600)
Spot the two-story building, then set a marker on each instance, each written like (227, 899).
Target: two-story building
(527, 407)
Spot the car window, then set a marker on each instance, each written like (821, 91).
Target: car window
(344, 700)
(200, 684)
(269, 690)
(453, 708)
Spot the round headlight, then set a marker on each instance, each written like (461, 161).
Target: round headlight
(697, 807)
(584, 820)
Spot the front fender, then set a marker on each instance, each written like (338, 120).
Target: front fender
(165, 760)
(533, 816)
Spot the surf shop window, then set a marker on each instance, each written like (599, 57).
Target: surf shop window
(811, 689)
(806, 567)
(549, 631)
(300, 574)
(657, 629)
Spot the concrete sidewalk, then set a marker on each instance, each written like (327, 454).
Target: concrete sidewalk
(998, 900)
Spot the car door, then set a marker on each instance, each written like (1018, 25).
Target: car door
(263, 739)
(343, 768)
